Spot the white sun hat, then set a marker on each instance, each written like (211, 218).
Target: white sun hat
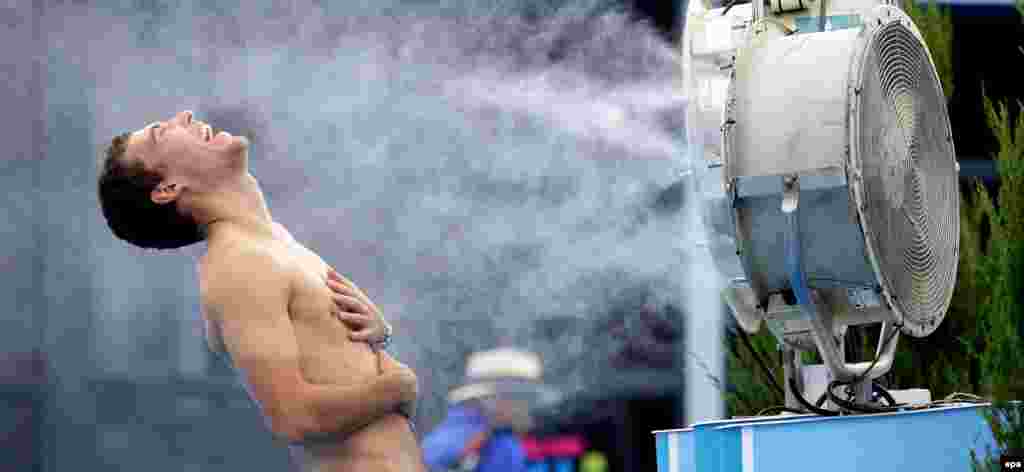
(497, 370)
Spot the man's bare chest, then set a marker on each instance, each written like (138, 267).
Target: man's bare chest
(327, 354)
(311, 308)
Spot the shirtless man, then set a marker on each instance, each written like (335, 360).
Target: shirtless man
(284, 318)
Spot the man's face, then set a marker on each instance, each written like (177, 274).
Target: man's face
(510, 413)
(189, 151)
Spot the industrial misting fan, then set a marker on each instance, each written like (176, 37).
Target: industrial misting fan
(822, 142)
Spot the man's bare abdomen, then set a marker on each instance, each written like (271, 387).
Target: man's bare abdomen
(385, 445)
(328, 356)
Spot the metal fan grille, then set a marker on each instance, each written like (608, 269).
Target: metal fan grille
(910, 177)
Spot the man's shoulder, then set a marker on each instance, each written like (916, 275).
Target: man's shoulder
(239, 250)
(237, 265)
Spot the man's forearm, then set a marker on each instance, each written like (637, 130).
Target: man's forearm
(346, 408)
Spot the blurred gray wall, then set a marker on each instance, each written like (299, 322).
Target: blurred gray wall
(22, 372)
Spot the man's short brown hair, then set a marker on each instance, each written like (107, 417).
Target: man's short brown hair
(124, 189)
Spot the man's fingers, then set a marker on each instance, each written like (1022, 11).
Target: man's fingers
(360, 335)
(361, 329)
(339, 287)
(333, 275)
(342, 288)
(353, 304)
(360, 320)
(339, 284)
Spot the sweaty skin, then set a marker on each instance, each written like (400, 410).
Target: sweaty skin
(268, 305)
(325, 353)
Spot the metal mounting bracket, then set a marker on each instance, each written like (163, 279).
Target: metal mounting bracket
(819, 320)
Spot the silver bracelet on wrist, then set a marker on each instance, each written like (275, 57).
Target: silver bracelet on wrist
(384, 343)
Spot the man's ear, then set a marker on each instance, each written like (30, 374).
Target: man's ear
(166, 192)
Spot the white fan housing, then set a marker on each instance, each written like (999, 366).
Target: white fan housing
(835, 165)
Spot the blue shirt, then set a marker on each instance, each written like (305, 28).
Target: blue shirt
(442, 447)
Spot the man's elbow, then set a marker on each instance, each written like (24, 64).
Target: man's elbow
(294, 421)
(292, 431)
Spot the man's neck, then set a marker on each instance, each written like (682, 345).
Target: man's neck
(239, 208)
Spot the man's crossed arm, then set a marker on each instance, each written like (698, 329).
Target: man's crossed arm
(249, 299)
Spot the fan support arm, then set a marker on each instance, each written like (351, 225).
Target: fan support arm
(820, 321)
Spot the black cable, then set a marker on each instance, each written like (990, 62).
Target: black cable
(736, 353)
(874, 361)
(760, 362)
(877, 388)
(803, 401)
(729, 5)
(882, 392)
(742, 399)
(781, 408)
(844, 404)
(732, 346)
(739, 396)
(860, 408)
(821, 399)
(852, 406)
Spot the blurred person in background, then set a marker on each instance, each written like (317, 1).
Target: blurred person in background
(307, 343)
(486, 416)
